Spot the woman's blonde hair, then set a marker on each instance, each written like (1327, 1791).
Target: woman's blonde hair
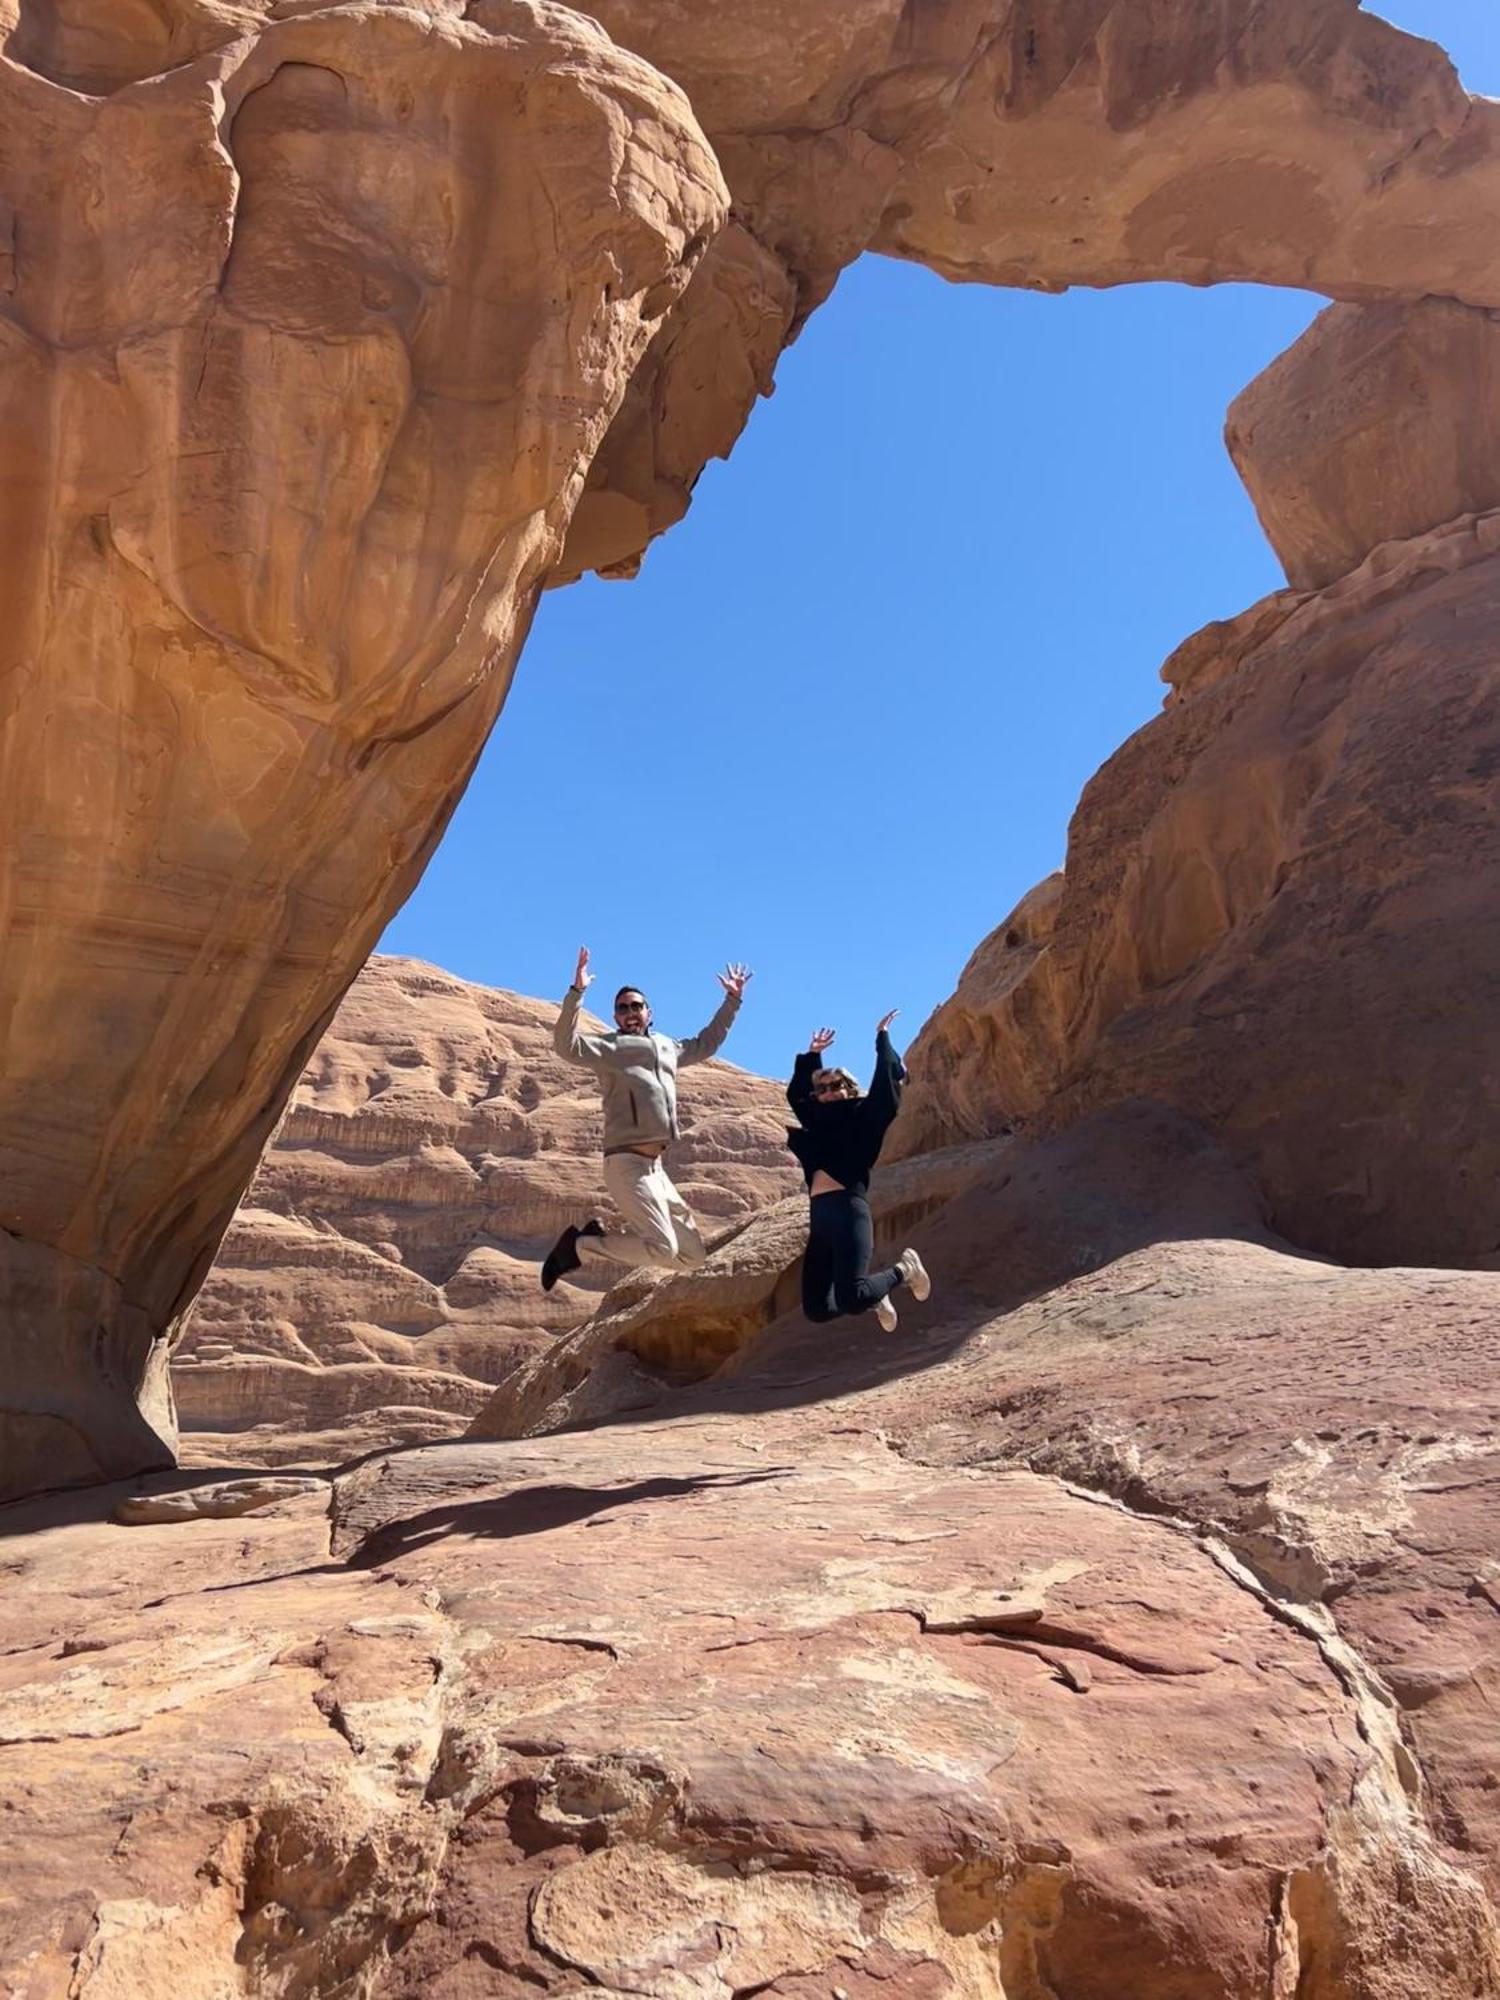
(826, 1075)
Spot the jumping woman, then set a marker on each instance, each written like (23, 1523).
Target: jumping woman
(837, 1146)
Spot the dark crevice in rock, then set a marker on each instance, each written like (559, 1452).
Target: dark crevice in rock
(513, 1968)
(1376, 1706)
(1035, 1634)
(584, 1645)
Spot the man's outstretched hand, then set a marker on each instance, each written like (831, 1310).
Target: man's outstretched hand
(820, 1041)
(583, 979)
(883, 1025)
(734, 979)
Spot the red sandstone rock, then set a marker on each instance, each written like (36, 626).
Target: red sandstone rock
(298, 414)
(1111, 1309)
(808, 1680)
(1049, 143)
(656, 1331)
(1123, 1628)
(1380, 423)
(383, 1270)
(1277, 916)
(297, 403)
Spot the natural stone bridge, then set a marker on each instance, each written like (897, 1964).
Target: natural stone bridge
(332, 335)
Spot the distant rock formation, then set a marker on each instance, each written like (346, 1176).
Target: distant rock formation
(382, 1272)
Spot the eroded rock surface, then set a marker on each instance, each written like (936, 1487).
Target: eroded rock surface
(311, 328)
(656, 1331)
(1277, 915)
(822, 1674)
(1111, 1308)
(298, 410)
(1045, 143)
(1380, 423)
(1124, 1627)
(382, 1272)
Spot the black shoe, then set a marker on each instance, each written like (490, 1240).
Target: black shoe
(562, 1257)
(593, 1227)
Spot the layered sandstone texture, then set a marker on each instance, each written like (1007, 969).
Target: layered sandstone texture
(316, 320)
(1123, 1627)
(383, 1269)
(1040, 143)
(312, 322)
(1111, 1310)
(1380, 423)
(1278, 916)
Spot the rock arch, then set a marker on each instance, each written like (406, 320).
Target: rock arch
(319, 330)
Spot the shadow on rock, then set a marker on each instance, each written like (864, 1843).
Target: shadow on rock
(1000, 1222)
(529, 1510)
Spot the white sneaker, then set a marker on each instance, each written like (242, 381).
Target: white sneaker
(885, 1312)
(914, 1271)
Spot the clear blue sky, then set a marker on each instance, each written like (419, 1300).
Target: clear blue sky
(838, 724)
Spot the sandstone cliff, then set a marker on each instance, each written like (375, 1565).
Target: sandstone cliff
(383, 1268)
(312, 322)
(1278, 914)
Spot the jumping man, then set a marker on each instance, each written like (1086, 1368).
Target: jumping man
(637, 1070)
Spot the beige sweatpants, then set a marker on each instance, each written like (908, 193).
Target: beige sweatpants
(659, 1226)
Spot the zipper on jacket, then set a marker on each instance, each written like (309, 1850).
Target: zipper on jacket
(661, 1087)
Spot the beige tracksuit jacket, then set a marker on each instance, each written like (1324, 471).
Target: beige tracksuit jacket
(637, 1073)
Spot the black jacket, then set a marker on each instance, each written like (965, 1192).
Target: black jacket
(843, 1136)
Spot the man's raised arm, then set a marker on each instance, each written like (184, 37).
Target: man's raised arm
(699, 1047)
(587, 1051)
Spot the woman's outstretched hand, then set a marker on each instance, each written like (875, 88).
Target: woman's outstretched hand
(820, 1041)
(734, 979)
(583, 979)
(883, 1025)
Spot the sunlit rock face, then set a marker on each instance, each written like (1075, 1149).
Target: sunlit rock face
(1278, 916)
(1380, 423)
(1111, 1309)
(315, 327)
(1041, 143)
(1277, 909)
(382, 1271)
(1120, 1626)
(311, 327)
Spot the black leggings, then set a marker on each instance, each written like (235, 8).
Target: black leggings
(836, 1270)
